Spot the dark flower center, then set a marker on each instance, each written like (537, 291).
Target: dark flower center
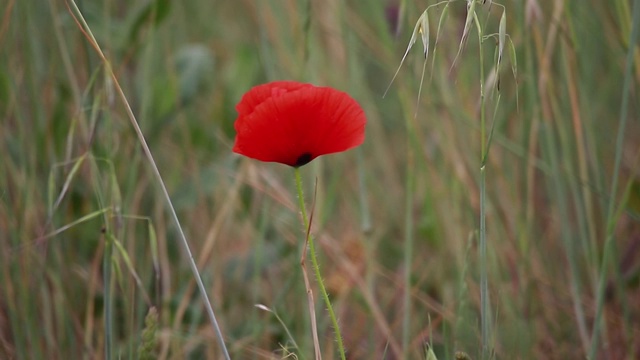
(303, 159)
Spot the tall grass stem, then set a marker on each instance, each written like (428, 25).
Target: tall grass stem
(108, 300)
(485, 315)
(408, 242)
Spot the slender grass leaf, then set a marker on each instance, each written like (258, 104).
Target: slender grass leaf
(116, 196)
(69, 178)
(513, 59)
(153, 241)
(502, 35)
(74, 223)
(113, 258)
(514, 68)
(127, 261)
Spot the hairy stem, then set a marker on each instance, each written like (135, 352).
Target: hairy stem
(316, 267)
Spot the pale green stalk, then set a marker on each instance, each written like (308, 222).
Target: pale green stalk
(408, 243)
(108, 298)
(484, 286)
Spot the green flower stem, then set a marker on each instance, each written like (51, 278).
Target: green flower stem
(316, 268)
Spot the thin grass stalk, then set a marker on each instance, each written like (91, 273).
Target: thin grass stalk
(107, 264)
(107, 268)
(484, 287)
(365, 211)
(484, 283)
(579, 188)
(194, 268)
(622, 126)
(408, 241)
(108, 301)
(316, 267)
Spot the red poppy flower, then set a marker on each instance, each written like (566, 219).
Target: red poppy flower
(293, 123)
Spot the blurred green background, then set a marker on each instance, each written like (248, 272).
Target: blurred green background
(86, 238)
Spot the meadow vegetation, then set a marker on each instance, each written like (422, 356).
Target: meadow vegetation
(544, 149)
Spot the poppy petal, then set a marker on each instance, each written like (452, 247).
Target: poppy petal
(293, 123)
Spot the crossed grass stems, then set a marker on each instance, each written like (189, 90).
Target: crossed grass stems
(422, 29)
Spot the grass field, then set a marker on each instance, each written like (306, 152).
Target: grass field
(492, 212)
